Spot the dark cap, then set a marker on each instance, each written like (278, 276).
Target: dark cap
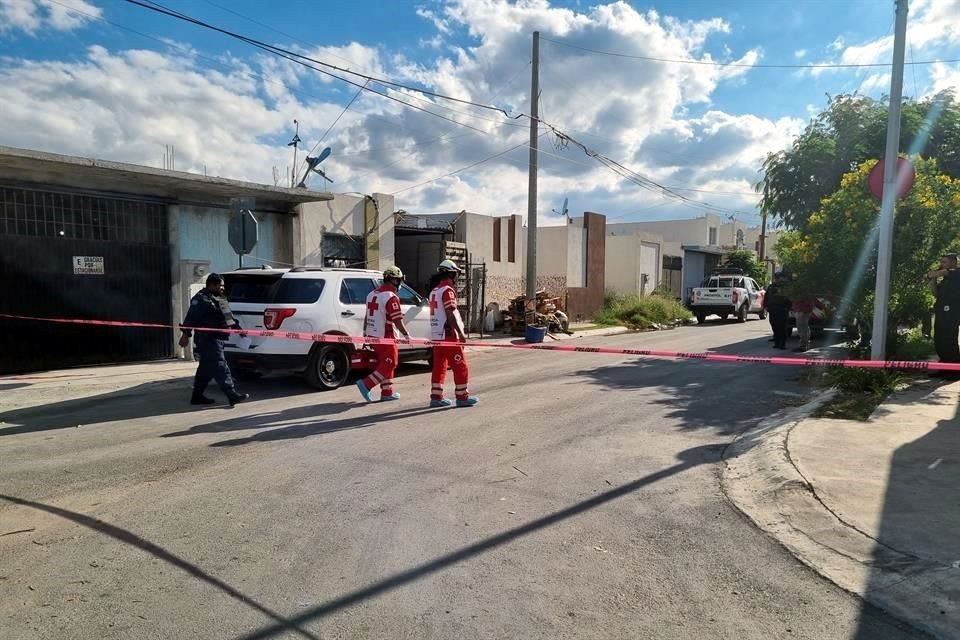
(214, 277)
(949, 256)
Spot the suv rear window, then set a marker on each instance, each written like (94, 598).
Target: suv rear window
(296, 291)
(250, 288)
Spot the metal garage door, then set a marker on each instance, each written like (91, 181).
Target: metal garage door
(81, 256)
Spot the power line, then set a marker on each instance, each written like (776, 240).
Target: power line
(263, 77)
(292, 55)
(330, 128)
(299, 59)
(461, 169)
(746, 65)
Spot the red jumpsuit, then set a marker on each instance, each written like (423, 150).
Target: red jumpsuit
(444, 298)
(383, 309)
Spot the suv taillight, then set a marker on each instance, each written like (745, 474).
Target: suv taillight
(273, 318)
(736, 296)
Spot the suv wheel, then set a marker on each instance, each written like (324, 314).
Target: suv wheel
(329, 368)
(742, 314)
(701, 318)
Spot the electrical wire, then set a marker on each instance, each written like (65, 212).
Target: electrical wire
(292, 55)
(462, 169)
(299, 59)
(330, 128)
(746, 65)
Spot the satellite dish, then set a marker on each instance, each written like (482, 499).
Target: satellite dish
(313, 164)
(563, 210)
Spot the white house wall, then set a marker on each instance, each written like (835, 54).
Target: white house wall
(344, 215)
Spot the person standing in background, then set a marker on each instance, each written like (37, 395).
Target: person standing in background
(777, 304)
(802, 311)
(945, 283)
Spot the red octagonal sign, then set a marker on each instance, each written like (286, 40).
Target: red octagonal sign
(905, 177)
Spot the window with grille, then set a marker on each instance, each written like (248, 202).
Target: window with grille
(29, 212)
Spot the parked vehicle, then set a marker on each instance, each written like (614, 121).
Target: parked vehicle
(311, 300)
(727, 293)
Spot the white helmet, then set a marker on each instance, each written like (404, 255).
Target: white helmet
(448, 266)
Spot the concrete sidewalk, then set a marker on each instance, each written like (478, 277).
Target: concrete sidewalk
(873, 506)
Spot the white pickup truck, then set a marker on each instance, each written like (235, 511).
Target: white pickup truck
(725, 295)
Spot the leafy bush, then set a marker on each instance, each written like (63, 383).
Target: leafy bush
(913, 345)
(640, 313)
(874, 382)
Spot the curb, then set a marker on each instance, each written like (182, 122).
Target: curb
(761, 481)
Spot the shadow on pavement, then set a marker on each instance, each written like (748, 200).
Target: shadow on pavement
(318, 428)
(149, 399)
(130, 538)
(160, 398)
(921, 508)
(266, 419)
(689, 459)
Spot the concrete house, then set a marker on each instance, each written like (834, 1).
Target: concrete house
(94, 239)
(571, 263)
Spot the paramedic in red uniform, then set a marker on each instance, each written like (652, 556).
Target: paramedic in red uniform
(383, 314)
(446, 326)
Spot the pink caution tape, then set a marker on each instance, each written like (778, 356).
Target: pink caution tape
(921, 365)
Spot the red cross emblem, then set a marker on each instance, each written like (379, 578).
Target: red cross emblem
(372, 306)
(433, 306)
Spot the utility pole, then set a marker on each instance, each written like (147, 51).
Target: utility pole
(762, 249)
(885, 246)
(532, 188)
(294, 143)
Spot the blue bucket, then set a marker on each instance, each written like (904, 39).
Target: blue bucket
(536, 334)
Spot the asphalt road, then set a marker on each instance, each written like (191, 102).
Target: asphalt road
(580, 499)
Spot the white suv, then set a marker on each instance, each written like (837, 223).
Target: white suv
(310, 300)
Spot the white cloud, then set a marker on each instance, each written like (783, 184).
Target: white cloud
(126, 104)
(875, 83)
(32, 15)
(800, 53)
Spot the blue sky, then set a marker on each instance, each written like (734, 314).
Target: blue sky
(75, 83)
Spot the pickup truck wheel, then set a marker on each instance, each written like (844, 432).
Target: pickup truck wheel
(742, 314)
(763, 314)
(329, 368)
(701, 318)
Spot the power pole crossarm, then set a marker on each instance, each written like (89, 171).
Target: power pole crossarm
(885, 245)
(532, 188)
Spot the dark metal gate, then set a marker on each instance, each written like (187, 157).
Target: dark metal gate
(79, 256)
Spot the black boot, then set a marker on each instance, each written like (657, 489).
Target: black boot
(236, 398)
(200, 399)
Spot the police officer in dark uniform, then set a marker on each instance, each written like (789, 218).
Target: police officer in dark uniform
(209, 308)
(777, 304)
(945, 282)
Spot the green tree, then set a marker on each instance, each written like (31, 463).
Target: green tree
(834, 255)
(748, 263)
(849, 132)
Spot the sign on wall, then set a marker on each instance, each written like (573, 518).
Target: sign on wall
(88, 265)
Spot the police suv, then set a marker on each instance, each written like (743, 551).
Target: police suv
(329, 301)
